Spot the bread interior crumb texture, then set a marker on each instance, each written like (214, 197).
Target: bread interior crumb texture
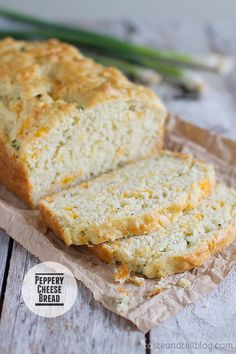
(134, 199)
(66, 119)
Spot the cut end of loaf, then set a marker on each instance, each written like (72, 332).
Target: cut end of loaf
(67, 119)
(93, 143)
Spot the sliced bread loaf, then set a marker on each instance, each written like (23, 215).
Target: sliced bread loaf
(135, 199)
(65, 119)
(186, 243)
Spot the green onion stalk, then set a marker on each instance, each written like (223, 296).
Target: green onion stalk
(139, 68)
(103, 42)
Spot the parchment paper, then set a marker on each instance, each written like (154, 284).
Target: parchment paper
(24, 226)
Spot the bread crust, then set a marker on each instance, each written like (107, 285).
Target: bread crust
(200, 256)
(177, 264)
(54, 225)
(126, 226)
(13, 175)
(42, 84)
(70, 78)
(106, 232)
(109, 231)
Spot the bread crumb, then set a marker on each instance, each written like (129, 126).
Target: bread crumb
(137, 280)
(84, 185)
(122, 291)
(155, 291)
(122, 274)
(184, 283)
(122, 304)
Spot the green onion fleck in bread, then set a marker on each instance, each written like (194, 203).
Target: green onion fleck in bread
(186, 243)
(65, 119)
(135, 199)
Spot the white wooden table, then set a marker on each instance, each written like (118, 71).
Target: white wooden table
(88, 327)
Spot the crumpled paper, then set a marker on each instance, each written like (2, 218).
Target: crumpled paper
(129, 300)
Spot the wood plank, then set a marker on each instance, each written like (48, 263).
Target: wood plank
(87, 328)
(209, 322)
(212, 318)
(5, 250)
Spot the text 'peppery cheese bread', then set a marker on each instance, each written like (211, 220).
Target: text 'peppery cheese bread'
(65, 119)
(186, 243)
(135, 199)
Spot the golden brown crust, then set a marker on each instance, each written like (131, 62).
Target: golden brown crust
(51, 79)
(209, 248)
(41, 83)
(53, 224)
(103, 252)
(114, 230)
(13, 175)
(134, 225)
(126, 227)
(131, 225)
(178, 264)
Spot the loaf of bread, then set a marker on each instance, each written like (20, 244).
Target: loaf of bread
(65, 119)
(186, 243)
(135, 199)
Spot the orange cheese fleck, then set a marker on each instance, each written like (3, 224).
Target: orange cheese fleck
(122, 273)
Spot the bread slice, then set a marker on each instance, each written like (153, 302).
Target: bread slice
(186, 243)
(65, 119)
(135, 199)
